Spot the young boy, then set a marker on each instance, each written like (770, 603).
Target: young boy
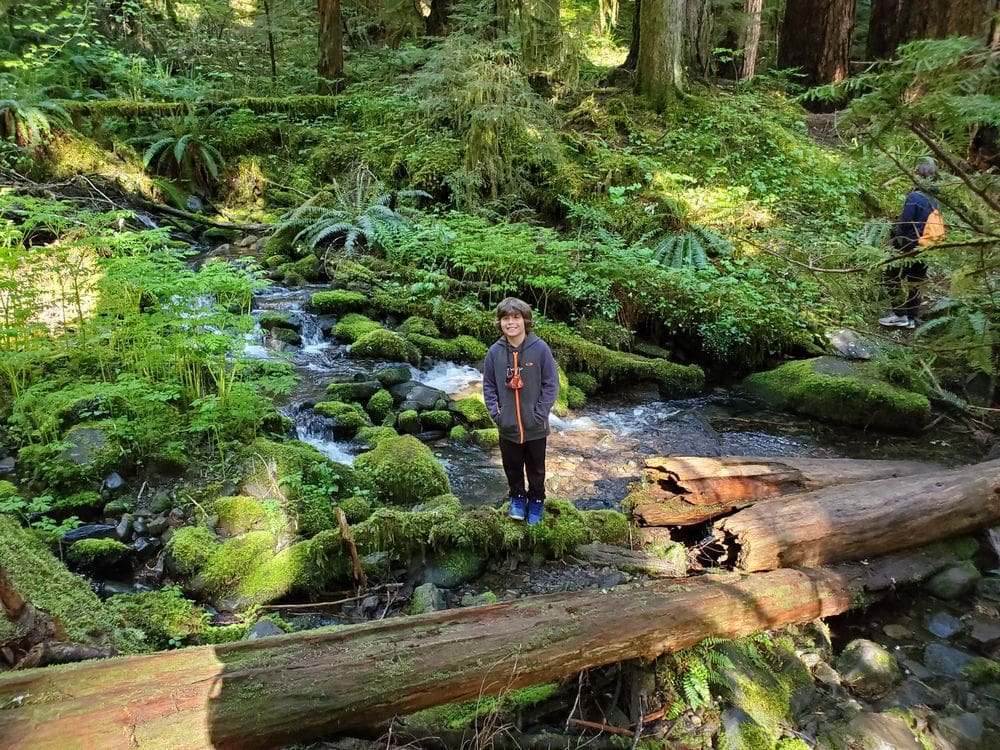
(520, 385)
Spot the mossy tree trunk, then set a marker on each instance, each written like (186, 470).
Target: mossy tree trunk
(816, 37)
(698, 37)
(541, 35)
(659, 75)
(331, 46)
(862, 520)
(317, 684)
(750, 37)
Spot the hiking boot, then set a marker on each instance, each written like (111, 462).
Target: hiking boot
(535, 510)
(517, 507)
(896, 321)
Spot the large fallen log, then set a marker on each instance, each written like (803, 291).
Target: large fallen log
(861, 520)
(685, 490)
(320, 683)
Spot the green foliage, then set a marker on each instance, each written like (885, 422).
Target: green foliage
(353, 326)
(691, 249)
(191, 547)
(183, 151)
(30, 124)
(156, 620)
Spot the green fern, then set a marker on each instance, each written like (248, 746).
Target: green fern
(691, 249)
(875, 232)
(183, 152)
(30, 124)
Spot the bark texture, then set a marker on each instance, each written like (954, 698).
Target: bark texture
(816, 37)
(659, 74)
(862, 520)
(896, 22)
(316, 684)
(750, 38)
(331, 45)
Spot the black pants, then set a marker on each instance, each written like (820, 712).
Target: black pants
(524, 458)
(906, 278)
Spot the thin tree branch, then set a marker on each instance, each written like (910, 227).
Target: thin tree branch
(952, 165)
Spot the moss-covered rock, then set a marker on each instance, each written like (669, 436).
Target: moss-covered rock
(7, 491)
(271, 319)
(408, 421)
(575, 398)
(379, 406)
(356, 509)
(240, 514)
(835, 390)
(285, 336)
(393, 375)
(455, 567)
(385, 344)
(584, 381)
(458, 349)
(372, 436)
(472, 412)
(486, 438)
(190, 548)
(420, 326)
(360, 391)
(343, 419)
(96, 554)
(156, 620)
(352, 327)
(403, 471)
(337, 302)
(459, 434)
(436, 420)
(86, 501)
(43, 581)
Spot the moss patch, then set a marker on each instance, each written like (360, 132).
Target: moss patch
(337, 302)
(403, 471)
(384, 344)
(352, 327)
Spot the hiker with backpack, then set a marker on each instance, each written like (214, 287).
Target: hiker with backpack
(918, 225)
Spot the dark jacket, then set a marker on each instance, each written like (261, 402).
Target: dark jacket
(522, 415)
(907, 230)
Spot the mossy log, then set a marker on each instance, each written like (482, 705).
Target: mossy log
(863, 519)
(324, 682)
(686, 490)
(635, 561)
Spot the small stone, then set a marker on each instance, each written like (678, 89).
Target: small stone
(897, 632)
(962, 731)
(882, 732)
(156, 526)
(161, 501)
(112, 482)
(140, 526)
(954, 581)
(945, 660)
(7, 465)
(611, 580)
(989, 588)
(944, 625)
(426, 598)
(868, 668)
(125, 526)
(263, 629)
(916, 669)
(142, 545)
(913, 692)
(89, 531)
(985, 629)
(826, 674)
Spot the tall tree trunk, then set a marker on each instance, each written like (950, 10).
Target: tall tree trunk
(896, 22)
(331, 46)
(541, 35)
(659, 75)
(632, 59)
(698, 37)
(816, 37)
(270, 40)
(750, 38)
(437, 23)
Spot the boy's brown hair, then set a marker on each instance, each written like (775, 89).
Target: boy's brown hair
(513, 305)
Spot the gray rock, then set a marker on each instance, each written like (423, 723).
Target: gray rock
(882, 732)
(7, 465)
(156, 526)
(988, 587)
(945, 660)
(985, 629)
(611, 580)
(140, 526)
(848, 343)
(963, 732)
(897, 632)
(112, 482)
(914, 692)
(417, 396)
(393, 376)
(85, 444)
(125, 527)
(161, 501)
(263, 629)
(426, 598)
(146, 547)
(916, 669)
(89, 531)
(869, 669)
(194, 204)
(954, 581)
(479, 600)
(165, 536)
(944, 625)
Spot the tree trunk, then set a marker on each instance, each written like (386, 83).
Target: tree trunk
(438, 21)
(682, 491)
(750, 38)
(816, 37)
(698, 37)
(270, 40)
(541, 35)
(857, 521)
(635, 561)
(331, 46)
(896, 22)
(632, 59)
(659, 75)
(316, 684)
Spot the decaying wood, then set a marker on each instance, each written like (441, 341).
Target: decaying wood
(320, 683)
(632, 561)
(345, 534)
(53, 652)
(862, 520)
(687, 490)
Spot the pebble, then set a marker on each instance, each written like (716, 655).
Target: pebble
(897, 632)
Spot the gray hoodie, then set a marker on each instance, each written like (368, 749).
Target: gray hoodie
(522, 415)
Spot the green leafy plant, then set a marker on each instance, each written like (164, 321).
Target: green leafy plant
(692, 249)
(30, 124)
(183, 151)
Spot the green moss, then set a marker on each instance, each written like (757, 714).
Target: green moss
(347, 418)
(384, 344)
(836, 391)
(575, 398)
(372, 436)
(352, 327)
(337, 302)
(459, 434)
(561, 406)
(791, 743)
(41, 580)
(238, 515)
(436, 420)
(356, 509)
(393, 375)
(359, 391)
(608, 526)
(981, 670)
(191, 547)
(418, 325)
(159, 616)
(286, 336)
(273, 319)
(458, 716)
(458, 349)
(408, 421)
(7, 491)
(233, 560)
(472, 412)
(563, 528)
(584, 381)
(488, 438)
(89, 553)
(403, 471)
(379, 406)
(79, 501)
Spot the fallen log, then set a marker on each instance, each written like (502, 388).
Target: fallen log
(861, 520)
(321, 683)
(686, 490)
(671, 565)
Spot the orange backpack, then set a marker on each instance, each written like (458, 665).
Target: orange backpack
(933, 229)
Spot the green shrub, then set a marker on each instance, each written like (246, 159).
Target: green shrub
(383, 344)
(584, 381)
(403, 471)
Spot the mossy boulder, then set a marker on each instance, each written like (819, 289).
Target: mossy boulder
(156, 620)
(41, 580)
(337, 302)
(352, 327)
(838, 391)
(455, 567)
(272, 319)
(393, 375)
(79, 502)
(8, 491)
(97, 554)
(403, 471)
(421, 326)
(385, 344)
(343, 419)
(379, 406)
(472, 412)
(408, 421)
(868, 668)
(285, 336)
(356, 509)
(436, 420)
(458, 349)
(372, 436)
(87, 453)
(190, 548)
(584, 381)
(359, 391)
(486, 438)
(241, 514)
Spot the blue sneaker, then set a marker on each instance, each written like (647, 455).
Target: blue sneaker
(517, 506)
(535, 509)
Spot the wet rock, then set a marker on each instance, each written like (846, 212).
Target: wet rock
(7, 465)
(165, 536)
(112, 482)
(848, 343)
(962, 732)
(89, 531)
(140, 526)
(85, 445)
(881, 732)
(988, 587)
(945, 660)
(916, 669)
(161, 502)
(985, 630)
(175, 518)
(156, 526)
(954, 581)
(111, 588)
(115, 508)
(125, 527)
(394, 375)
(146, 547)
(897, 632)
(914, 692)
(944, 625)
(419, 397)
(869, 669)
(194, 204)
(263, 629)
(426, 598)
